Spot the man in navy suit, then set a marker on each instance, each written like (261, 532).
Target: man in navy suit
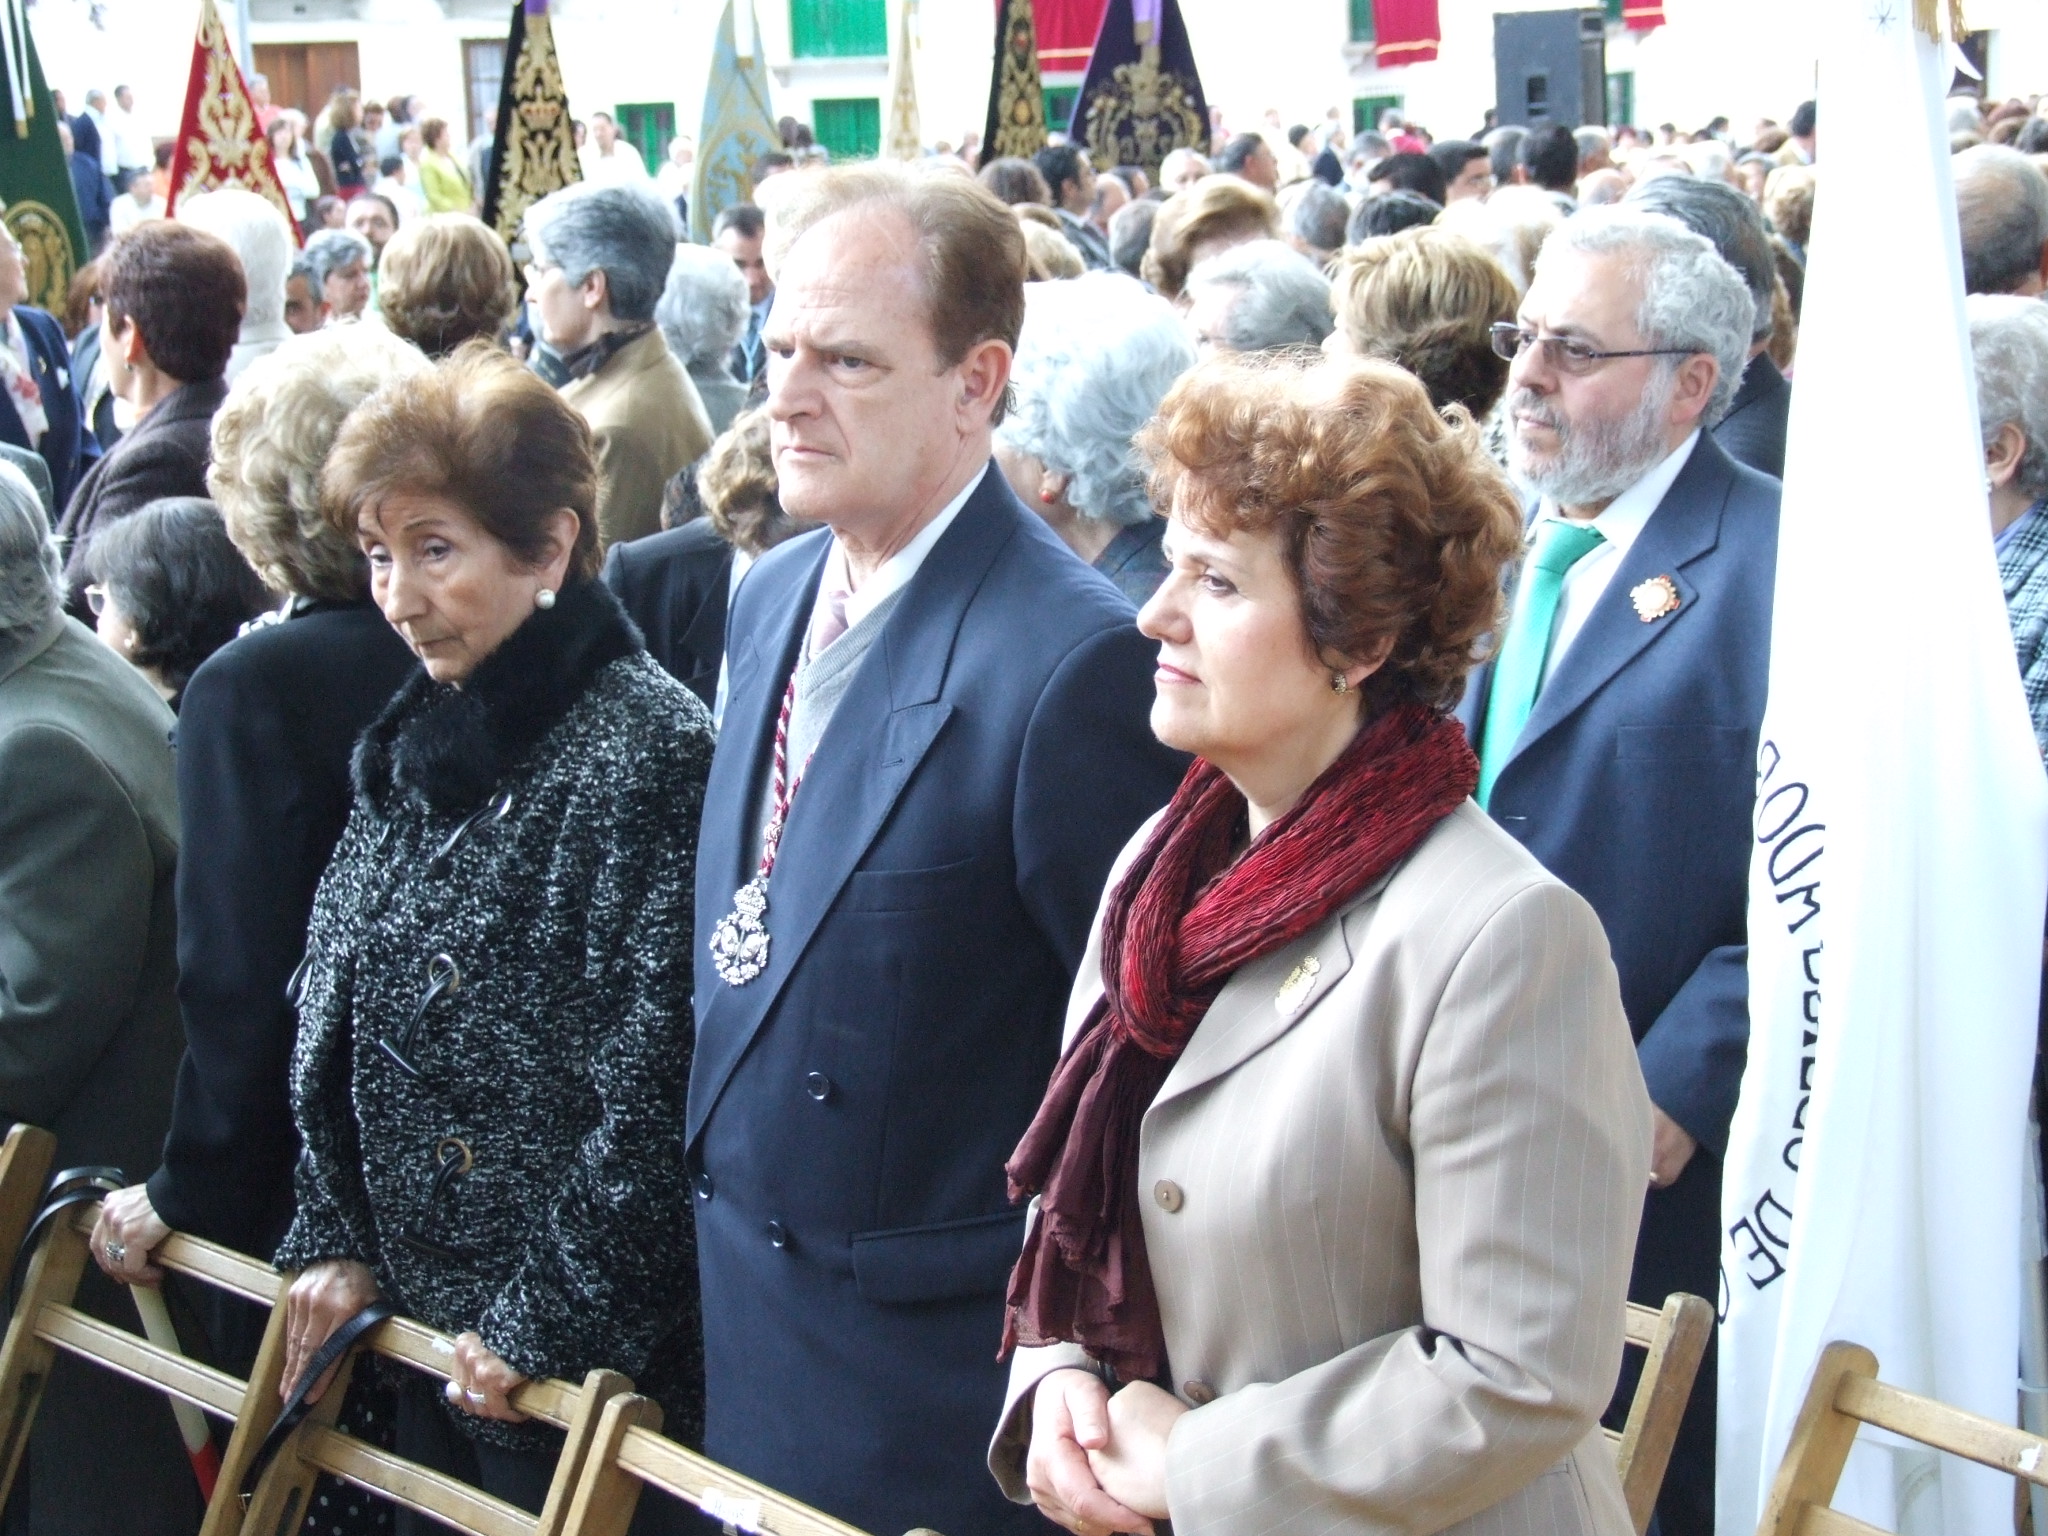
(44, 366)
(1617, 724)
(952, 712)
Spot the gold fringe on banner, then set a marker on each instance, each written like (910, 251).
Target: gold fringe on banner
(1927, 17)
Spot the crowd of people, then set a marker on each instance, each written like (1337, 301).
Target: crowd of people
(1007, 833)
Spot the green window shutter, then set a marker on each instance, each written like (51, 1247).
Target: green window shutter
(1059, 106)
(1621, 98)
(839, 29)
(1362, 28)
(648, 127)
(1366, 110)
(850, 127)
(1614, 10)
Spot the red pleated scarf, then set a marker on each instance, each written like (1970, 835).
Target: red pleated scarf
(1173, 934)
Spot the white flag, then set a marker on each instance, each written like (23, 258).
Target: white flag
(1872, 1185)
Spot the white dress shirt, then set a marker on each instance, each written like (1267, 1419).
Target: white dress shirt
(1618, 526)
(894, 573)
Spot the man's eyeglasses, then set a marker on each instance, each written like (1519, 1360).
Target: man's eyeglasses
(1565, 355)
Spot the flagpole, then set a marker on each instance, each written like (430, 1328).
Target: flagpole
(2034, 1305)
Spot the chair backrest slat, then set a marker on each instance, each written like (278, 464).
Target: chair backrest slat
(432, 1493)
(1676, 1338)
(680, 1471)
(1946, 1428)
(1828, 1522)
(137, 1359)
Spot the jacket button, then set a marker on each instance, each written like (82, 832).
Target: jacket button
(1198, 1392)
(778, 1235)
(1168, 1194)
(818, 1086)
(703, 1182)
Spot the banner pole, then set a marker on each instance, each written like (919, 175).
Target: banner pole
(2034, 1305)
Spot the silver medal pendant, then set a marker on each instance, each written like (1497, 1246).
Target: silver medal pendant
(739, 943)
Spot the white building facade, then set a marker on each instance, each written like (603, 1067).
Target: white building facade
(645, 60)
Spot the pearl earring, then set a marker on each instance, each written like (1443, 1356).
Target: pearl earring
(1339, 683)
(544, 598)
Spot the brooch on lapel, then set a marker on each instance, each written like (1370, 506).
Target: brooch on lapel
(1294, 990)
(1654, 598)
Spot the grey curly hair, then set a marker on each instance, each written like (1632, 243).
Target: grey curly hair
(703, 308)
(31, 571)
(271, 439)
(1692, 298)
(1096, 356)
(2009, 339)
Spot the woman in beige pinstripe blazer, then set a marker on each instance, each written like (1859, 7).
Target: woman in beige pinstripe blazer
(1390, 1187)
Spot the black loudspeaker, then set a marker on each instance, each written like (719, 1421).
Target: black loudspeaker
(1550, 67)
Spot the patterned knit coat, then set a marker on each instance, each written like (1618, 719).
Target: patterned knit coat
(494, 1013)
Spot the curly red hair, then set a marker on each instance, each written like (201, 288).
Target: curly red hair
(1391, 517)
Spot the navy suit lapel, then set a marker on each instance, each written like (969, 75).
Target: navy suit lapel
(880, 732)
(1685, 526)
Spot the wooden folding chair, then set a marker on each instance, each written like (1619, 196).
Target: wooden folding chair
(1676, 1339)
(1845, 1394)
(628, 1453)
(45, 1321)
(277, 1504)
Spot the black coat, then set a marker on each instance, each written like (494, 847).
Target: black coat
(165, 454)
(264, 739)
(852, 1107)
(675, 586)
(510, 908)
(1753, 431)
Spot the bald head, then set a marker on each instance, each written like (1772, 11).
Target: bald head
(2002, 208)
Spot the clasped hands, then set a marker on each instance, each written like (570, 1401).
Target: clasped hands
(331, 1292)
(1097, 1463)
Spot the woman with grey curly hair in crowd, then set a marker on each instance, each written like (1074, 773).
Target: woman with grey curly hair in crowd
(2009, 337)
(1096, 357)
(266, 727)
(703, 313)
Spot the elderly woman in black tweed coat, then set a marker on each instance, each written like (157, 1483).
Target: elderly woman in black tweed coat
(494, 1037)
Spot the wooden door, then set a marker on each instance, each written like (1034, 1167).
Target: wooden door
(304, 75)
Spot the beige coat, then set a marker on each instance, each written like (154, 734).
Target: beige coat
(648, 422)
(1390, 1198)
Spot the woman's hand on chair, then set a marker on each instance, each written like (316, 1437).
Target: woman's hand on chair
(1070, 1424)
(324, 1297)
(1131, 1465)
(480, 1383)
(126, 1234)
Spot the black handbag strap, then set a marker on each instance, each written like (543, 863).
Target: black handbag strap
(72, 1187)
(339, 1343)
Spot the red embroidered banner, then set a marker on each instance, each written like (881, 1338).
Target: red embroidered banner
(1642, 15)
(1066, 34)
(219, 141)
(1404, 31)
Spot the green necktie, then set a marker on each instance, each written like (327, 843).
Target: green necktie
(1518, 671)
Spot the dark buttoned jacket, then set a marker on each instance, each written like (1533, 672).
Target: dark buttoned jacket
(164, 454)
(674, 585)
(265, 730)
(67, 447)
(852, 1107)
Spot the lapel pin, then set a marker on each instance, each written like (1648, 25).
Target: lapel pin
(1294, 990)
(1654, 598)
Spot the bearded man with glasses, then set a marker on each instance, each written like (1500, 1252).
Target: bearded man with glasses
(1617, 723)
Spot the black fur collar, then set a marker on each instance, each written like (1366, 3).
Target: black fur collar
(449, 746)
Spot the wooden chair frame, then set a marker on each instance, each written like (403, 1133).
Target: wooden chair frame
(1845, 1394)
(628, 1453)
(1676, 1339)
(44, 1322)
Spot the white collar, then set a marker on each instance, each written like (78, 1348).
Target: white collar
(1622, 519)
(895, 572)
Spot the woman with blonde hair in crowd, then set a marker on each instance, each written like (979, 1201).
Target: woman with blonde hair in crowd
(1426, 299)
(295, 171)
(444, 280)
(1214, 214)
(1337, 1041)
